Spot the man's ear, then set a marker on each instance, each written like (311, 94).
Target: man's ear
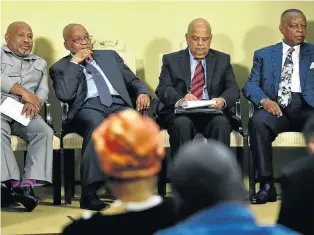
(65, 45)
(7, 37)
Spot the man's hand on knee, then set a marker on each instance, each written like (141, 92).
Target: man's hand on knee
(29, 110)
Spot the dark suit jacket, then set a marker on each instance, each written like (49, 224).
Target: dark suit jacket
(297, 202)
(175, 79)
(265, 74)
(70, 83)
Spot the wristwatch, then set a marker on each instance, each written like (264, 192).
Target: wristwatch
(263, 100)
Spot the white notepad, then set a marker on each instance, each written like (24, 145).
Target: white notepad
(197, 104)
(13, 109)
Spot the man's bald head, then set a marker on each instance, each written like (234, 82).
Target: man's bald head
(293, 26)
(203, 175)
(76, 38)
(199, 37)
(197, 23)
(68, 29)
(19, 38)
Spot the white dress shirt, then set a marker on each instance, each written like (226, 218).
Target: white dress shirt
(295, 79)
(91, 86)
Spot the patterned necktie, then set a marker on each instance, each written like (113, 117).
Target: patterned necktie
(103, 90)
(198, 82)
(284, 91)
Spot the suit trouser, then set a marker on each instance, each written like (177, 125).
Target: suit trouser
(38, 136)
(88, 118)
(265, 127)
(183, 128)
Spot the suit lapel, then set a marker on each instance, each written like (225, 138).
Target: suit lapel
(304, 64)
(277, 64)
(210, 65)
(186, 68)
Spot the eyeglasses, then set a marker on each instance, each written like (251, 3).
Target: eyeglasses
(87, 38)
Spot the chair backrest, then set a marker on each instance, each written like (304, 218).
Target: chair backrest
(119, 47)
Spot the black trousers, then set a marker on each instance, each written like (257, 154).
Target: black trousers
(183, 128)
(265, 127)
(90, 115)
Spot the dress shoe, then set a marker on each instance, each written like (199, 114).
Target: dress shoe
(26, 196)
(6, 197)
(266, 194)
(92, 202)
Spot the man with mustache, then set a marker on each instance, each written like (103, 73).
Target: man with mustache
(281, 87)
(94, 83)
(196, 73)
(24, 78)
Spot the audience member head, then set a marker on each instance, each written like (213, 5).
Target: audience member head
(203, 175)
(199, 37)
(19, 38)
(76, 38)
(309, 134)
(131, 151)
(293, 27)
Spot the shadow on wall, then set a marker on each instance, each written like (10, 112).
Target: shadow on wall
(310, 32)
(44, 49)
(256, 38)
(152, 62)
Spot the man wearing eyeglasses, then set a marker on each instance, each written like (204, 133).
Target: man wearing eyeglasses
(94, 83)
(196, 73)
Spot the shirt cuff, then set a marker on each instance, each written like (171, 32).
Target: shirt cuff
(177, 104)
(74, 62)
(225, 104)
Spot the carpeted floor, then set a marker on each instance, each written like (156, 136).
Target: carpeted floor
(49, 219)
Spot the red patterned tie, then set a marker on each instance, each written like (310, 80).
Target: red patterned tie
(198, 82)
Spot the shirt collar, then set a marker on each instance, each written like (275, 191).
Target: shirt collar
(286, 47)
(193, 60)
(139, 206)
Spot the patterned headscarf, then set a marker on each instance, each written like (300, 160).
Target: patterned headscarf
(129, 145)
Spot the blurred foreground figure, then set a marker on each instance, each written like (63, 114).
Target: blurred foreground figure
(209, 194)
(130, 150)
(297, 201)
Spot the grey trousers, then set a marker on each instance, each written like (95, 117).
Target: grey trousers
(38, 136)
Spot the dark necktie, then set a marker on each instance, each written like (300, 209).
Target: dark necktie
(198, 82)
(103, 90)
(284, 90)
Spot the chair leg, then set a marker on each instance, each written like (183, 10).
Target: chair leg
(240, 158)
(56, 177)
(162, 179)
(68, 169)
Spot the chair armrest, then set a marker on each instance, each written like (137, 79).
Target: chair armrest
(48, 117)
(251, 109)
(65, 109)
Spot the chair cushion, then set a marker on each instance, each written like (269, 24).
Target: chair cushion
(72, 141)
(289, 139)
(18, 144)
(236, 139)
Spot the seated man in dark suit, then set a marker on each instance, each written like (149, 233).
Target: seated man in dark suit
(281, 86)
(197, 73)
(94, 84)
(297, 204)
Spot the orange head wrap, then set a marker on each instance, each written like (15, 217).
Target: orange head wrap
(129, 145)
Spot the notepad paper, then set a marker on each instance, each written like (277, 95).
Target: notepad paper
(13, 109)
(197, 104)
